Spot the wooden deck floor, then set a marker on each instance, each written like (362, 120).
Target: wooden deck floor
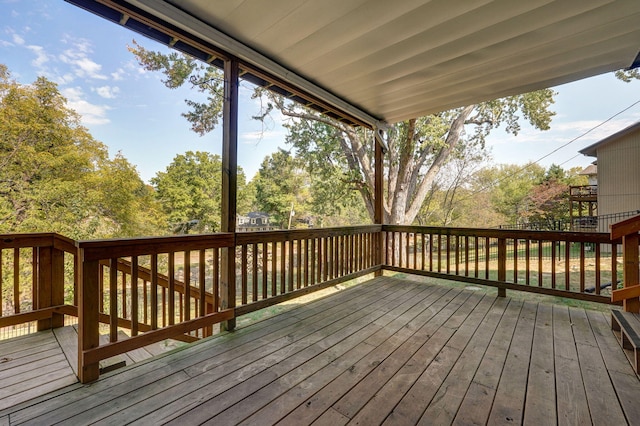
(388, 351)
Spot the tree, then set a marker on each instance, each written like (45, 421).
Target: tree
(54, 177)
(282, 188)
(547, 203)
(189, 191)
(508, 186)
(417, 149)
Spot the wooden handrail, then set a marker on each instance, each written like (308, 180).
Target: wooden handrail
(507, 259)
(628, 231)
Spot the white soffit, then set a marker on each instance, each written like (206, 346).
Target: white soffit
(403, 59)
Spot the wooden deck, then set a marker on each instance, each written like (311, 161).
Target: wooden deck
(36, 364)
(388, 351)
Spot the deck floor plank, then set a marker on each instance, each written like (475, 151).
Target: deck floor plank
(380, 345)
(390, 350)
(508, 404)
(447, 400)
(416, 376)
(541, 386)
(625, 382)
(255, 362)
(331, 346)
(598, 387)
(572, 404)
(413, 361)
(476, 405)
(314, 406)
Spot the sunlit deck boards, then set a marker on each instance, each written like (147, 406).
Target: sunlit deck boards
(390, 350)
(31, 366)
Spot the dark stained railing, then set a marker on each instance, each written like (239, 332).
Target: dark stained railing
(38, 277)
(569, 264)
(166, 287)
(280, 265)
(177, 287)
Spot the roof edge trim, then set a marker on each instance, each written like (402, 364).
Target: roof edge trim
(190, 24)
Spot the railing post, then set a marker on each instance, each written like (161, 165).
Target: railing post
(50, 285)
(88, 334)
(502, 265)
(631, 277)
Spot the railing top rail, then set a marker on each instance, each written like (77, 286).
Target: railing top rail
(112, 248)
(43, 239)
(625, 227)
(299, 234)
(589, 237)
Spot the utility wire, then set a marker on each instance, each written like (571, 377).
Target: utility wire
(531, 164)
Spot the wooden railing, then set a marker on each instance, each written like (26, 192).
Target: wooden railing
(280, 265)
(167, 287)
(178, 287)
(38, 278)
(566, 264)
(628, 230)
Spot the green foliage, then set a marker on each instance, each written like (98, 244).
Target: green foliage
(282, 186)
(179, 69)
(54, 177)
(343, 156)
(190, 192)
(508, 186)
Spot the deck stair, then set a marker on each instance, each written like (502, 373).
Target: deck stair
(626, 327)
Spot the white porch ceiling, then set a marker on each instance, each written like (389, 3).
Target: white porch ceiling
(396, 60)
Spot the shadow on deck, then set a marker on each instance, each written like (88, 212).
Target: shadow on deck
(389, 350)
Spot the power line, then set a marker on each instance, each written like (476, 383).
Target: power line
(531, 164)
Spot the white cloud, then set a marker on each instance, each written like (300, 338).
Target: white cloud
(108, 92)
(78, 58)
(41, 56)
(118, 75)
(260, 135)
(90, 113)
(580, 127)
(17, 39)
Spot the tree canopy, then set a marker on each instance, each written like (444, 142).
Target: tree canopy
(418, 149)
(189, 191)
(55, 177)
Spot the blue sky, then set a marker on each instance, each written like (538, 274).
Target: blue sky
(131, 111)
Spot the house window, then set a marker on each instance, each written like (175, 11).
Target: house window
(253, 221)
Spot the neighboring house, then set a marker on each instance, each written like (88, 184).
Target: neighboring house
(254, 221)
(618, 175)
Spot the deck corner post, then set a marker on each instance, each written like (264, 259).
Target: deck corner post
(631, 274)
(50, 285)
(229, 187)
(88, 316)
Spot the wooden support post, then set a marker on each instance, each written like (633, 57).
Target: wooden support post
(631, 277)
(88, 337)
(50, 285)
(229, 186)
(378, 197)
(502, 265)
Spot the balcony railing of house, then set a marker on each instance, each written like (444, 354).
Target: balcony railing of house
(177, 287)
(584, 192)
